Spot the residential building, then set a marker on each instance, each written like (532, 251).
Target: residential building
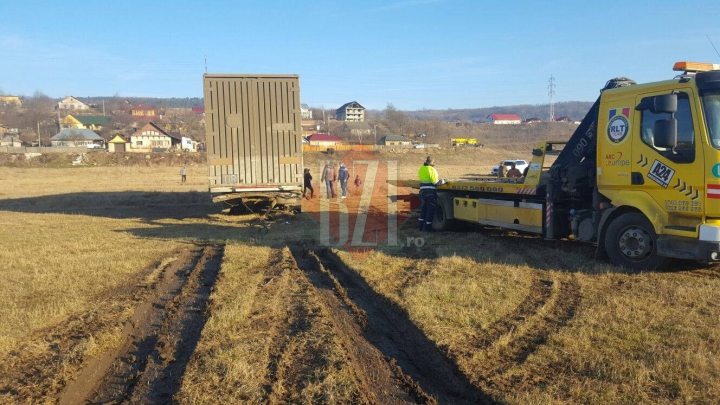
(94, 122)
(143, 110)
(151, 138)
(324, 140)
(10, 141)
(199, 110)
(357, 128)
(71, 103)
(564, 119)
(305, 112)
(351, 111)
(395, 140)
(10, 100)
(75, 137)
(531, 121)
(504, 119)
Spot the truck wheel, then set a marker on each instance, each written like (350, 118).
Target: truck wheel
(631, 242)
(440, 221)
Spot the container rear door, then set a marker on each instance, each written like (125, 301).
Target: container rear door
(253, 130)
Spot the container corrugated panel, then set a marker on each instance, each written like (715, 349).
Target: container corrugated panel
(253, 127)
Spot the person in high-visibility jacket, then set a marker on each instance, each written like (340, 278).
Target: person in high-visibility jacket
(428, 182)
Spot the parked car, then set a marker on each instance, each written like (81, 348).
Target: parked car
(95, 146)
(519, 164)
(419, 146)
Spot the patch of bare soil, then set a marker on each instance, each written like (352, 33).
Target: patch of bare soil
(425, 372)
(51, 358)
(538, 327)
(158, 340)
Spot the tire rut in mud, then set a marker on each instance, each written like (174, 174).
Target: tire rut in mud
(159, 338)
(540, 292)
(427, 374)
(502, 357)
(300, 338)
(380, 381)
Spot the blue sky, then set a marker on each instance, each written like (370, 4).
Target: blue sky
(415, 54)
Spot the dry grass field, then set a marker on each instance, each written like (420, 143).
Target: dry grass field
(120, 284)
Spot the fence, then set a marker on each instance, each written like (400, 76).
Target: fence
(23, 149)
(315, 148)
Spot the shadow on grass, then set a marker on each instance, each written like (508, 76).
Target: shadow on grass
(120, 205)
(475, 242)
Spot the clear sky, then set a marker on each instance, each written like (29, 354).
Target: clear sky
(415, 54)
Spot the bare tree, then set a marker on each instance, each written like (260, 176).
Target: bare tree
(395, 119)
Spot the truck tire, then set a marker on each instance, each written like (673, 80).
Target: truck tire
(631, 242)
(441, 222)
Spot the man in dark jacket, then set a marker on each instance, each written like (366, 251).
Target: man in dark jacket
(343, 177)
(307, 184)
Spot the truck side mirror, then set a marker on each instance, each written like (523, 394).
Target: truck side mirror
(665, 133)
(666, 103)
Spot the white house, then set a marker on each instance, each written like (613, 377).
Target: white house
(150, 137)
(71, 103)
(305, 112)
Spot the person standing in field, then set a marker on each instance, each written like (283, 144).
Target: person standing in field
(328, 176)
(513, 172)
(307, 185)
(183, 173)
(428, 182)
(343, 177)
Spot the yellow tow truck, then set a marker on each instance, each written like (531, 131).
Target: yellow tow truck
(639, 178)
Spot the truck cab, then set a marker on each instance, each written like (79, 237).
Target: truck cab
(658, 164)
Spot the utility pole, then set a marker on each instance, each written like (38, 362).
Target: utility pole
(39, 145)
(551, 93)
(205, 63)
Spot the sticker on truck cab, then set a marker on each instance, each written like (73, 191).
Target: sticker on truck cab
(716, 170)
(618, 124)
(661, 174)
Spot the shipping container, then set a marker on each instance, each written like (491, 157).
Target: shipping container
(254, 144)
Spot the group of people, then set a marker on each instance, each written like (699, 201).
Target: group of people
(427, 174)
(330, 175)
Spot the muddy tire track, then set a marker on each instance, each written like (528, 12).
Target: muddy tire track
(540, 291)
(419, 362)
(301, 338)
(380, 381)
(51, 358)
(158, 340)
(501, 358)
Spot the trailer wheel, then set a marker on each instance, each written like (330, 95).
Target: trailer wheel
(631, 242)
(441, 222)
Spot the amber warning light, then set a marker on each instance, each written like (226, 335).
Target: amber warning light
(695, 67)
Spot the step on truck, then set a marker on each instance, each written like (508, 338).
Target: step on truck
(254, 145)
(639, 178)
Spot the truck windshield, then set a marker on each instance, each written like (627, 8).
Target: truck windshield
(711, 106)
